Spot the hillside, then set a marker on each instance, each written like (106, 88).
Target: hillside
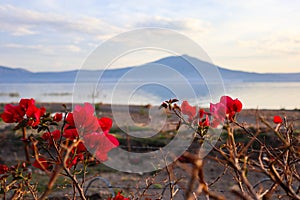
(157, 70)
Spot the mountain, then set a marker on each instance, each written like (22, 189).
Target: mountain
(177, 67)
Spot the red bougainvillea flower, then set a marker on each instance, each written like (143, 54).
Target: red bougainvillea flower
(25, 109)
(90, 125)
(95, 133)
(188, 110)
(100, 144)
(201, 113)
(277, 119)
(26, 103)
(105, 124)
(80, 147)
(34, 114)
(70, 120)
(204, 122)
(232, 106)
(70, 133)
(218, 111)
(3, 169)
(48, 136)
(12, 114)
(237, 105)
(73, 160)
(57, 117)
(226, 108)
(84, 119)
(41, 163)
(119, 196)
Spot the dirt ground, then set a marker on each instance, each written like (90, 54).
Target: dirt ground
(11, 151)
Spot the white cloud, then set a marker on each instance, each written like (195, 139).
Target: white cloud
(20, 21)
(17, 31)
(47, 50)
(234, 33)
(275, 44)
(180, 24)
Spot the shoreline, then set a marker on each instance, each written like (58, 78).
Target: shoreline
(69, 104)
(140, 113)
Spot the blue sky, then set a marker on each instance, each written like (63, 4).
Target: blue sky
(55, 35)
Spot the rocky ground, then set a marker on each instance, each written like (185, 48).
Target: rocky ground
(11, 151)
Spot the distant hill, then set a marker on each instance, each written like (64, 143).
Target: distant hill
(176, 64)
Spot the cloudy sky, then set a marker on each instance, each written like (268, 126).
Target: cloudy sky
(55, 35)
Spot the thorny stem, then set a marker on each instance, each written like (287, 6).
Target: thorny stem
(276, 178)
(183, 120)
(219, 177)
(55, 146)
(276, 132)
(56, 171)
(60, 166)
(73, 177)
(74, 191)
(53, 179)
(240, 194)
(84, 171)
(233, 159)
(62, 128)
(146, 188)
(26, 147)
(34, 195)
(169, 169)
(36, 154)
(189, 192)
(254, 138)
(198, 175)
(231, 141)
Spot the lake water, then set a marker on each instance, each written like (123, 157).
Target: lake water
(269, 95)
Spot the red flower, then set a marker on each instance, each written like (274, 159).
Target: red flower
(55, 135)
(34, 114)
(80, 147)
(84, 119)
(3, 169)
(12, 114)
(100, 144)
(218, 110)
(232, 106)
(70, 120)
(57, 117)
(70, 133)
(41, 163)
(26, 108)
(237, 105)
(26, 103)
(105, 124)
(119, 197)
(188, 110)
(74, 160)
(226, 108)
(205, 122)
(82, 122)
(201, 113)
(277, 119)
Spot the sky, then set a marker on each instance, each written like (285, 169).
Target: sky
(55, 35)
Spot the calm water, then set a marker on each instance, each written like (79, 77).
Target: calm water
(253, 95)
